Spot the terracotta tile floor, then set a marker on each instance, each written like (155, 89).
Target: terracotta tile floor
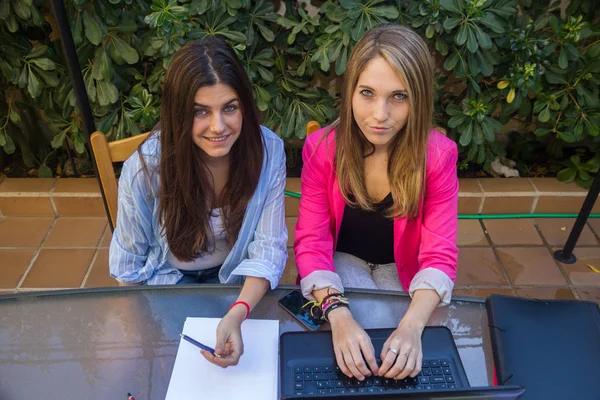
(496, 256)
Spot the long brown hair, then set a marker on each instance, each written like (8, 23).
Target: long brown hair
(406, 52)
(186, 195)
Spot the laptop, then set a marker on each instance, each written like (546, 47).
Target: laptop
(308, 370)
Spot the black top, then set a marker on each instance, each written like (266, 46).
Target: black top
(368, 235)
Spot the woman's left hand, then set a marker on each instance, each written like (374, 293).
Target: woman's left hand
(230, 346)
(406, 339)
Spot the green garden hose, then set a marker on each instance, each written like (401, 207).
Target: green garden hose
(491, 216)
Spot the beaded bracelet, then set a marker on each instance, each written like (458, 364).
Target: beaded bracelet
(332, 303)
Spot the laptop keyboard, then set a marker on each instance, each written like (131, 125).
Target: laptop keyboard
(323, 379)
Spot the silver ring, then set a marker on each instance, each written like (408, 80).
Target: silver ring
(393, 350)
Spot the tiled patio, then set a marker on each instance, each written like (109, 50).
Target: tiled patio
(62, 249)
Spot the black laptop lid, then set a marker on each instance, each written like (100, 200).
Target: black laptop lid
(550, 347)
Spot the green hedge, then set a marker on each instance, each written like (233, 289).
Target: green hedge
(499, 60)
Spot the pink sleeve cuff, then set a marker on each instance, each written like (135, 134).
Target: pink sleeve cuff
(433, 279)
(318, 280)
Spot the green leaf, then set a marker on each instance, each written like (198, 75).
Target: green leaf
(562, 58)
(481, 155)
(593, 51)
(49, 77)
(541, 22)
(93, 32)
(23, 77)
(265, 74)
(21, 9)
(359, 29)
(342, 62)
(127, 26)
(567, 137)
(483, 38)
(578, 131)
(58, 139)
(466, 135)
(286, 23)
(235, 36)
(492, 22)
(593, 129)
(542, 132)
(441, 46)
(44, 171)
(44, 63)
(472, 153)
(456, 121)
(14, 117)
(102, 69)
(38, 51)
(451, 23)
(472, 43)
(77, 29)
(350, 4)
(331, 29)
(388, 12)
(120, 47)
(567, 175)
(451, 61)
(454, 110)
(544, 116)
(430, 31)
(13, 26)
(451, 5)
(90, 86)
(494, 124)
(555, 78)
(33, 86)
(266, 32)
(9, 145)
(107, 93)
(591, 99)
(462, 35)
(4, 12)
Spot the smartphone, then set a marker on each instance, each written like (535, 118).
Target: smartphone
(293, 302)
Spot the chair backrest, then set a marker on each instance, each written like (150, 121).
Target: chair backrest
(311, 127)
(106, 154)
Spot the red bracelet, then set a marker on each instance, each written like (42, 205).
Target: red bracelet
(243, 303)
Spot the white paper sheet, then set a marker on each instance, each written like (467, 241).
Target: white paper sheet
(255, 377)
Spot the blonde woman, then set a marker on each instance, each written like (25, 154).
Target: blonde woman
(379, 202)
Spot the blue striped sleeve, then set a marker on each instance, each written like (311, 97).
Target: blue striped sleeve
(267, 252)
(130, 242)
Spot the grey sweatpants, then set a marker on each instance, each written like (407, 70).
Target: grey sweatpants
(357, 273)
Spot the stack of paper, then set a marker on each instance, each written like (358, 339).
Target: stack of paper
(255, 377)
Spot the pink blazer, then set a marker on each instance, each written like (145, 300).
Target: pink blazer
(428, 241)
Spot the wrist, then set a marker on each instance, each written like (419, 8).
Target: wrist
(338, 315)
(412, 323)
(238, 313)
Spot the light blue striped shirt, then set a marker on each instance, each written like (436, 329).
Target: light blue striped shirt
(138, 250)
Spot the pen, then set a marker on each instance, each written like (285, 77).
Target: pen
(198, 344)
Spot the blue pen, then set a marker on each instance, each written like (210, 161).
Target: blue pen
(198, 344)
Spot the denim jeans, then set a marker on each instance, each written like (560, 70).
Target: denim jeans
(210, 275)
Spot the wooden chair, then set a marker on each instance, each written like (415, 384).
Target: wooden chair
(106, 154)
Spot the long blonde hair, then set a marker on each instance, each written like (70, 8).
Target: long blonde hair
(408, 55)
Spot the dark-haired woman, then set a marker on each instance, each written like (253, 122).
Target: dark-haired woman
(201, 200)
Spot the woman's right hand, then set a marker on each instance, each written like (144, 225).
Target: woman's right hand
(354, 351)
